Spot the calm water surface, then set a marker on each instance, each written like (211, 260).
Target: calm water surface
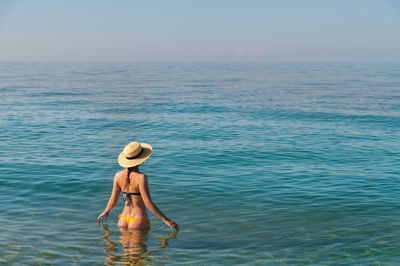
(259, 163)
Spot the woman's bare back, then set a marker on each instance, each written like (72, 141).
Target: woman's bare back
(134, 205)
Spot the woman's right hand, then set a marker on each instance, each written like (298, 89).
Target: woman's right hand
(171, 224)
(104, 213)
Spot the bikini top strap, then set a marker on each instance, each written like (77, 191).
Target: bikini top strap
(127, 194)
(127, 198)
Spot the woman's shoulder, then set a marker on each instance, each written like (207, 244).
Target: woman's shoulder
(119, 174)
(141, 177)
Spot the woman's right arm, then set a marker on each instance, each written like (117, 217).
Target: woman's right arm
(145, 193)
(113, 199)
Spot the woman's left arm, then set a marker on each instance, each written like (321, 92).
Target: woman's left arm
(113, 199)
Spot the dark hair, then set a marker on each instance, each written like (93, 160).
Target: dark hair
(129, 172)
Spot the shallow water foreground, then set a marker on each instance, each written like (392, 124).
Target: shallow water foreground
(258, 163)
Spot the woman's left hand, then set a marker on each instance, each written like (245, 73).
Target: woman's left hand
(104, 213)
(171, 224)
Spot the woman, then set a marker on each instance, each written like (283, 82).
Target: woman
(135, 189)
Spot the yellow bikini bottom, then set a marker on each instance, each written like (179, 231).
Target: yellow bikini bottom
(128, 220)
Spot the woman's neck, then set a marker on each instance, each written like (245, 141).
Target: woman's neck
(134, 169)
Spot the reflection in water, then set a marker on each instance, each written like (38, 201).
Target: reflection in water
(133, 245)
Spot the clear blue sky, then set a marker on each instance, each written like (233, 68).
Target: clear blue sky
(203, 30)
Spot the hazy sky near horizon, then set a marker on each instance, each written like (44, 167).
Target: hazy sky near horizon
(206, 30)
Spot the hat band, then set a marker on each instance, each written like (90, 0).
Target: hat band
(136, 156)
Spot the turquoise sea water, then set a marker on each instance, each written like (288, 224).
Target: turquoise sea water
(259, 163)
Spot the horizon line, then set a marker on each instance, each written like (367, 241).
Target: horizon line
(199, 61)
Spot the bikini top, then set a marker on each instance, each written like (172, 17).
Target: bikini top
(127, 198)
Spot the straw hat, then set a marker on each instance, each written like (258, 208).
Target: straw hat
(134, 154)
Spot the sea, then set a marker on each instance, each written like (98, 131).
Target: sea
(259, 163)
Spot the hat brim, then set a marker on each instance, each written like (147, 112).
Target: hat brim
(145, 154)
